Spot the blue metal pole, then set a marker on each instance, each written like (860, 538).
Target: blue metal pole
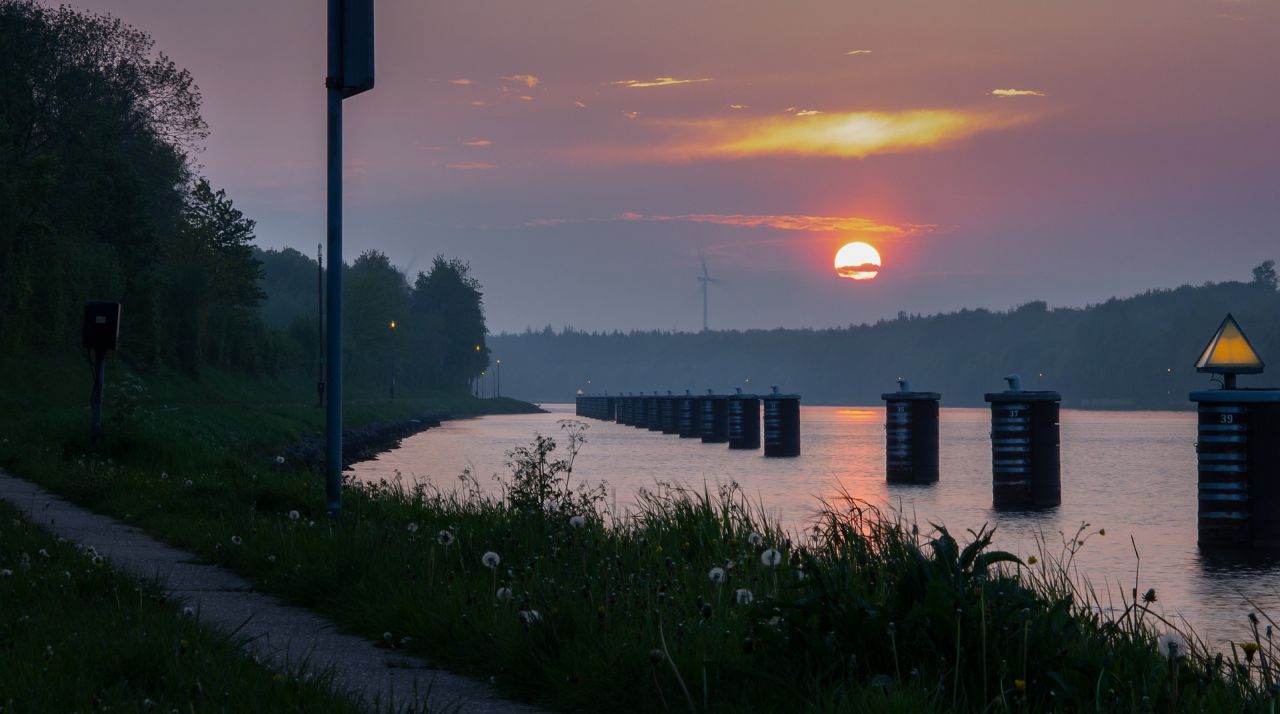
(333, 303)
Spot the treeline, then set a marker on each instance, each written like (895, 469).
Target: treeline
(437, 343)
(100, 198)
(1137, 352)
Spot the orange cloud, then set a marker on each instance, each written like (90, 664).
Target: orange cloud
(837, 134)
(737, 106)
(479, 103)
(1017, 93)
(471, 165)
(631, 115)
(658, 82)
(580, 104)
(462, 82)
(528, 80)
(478, 142)
(858, 52)
(789, 222)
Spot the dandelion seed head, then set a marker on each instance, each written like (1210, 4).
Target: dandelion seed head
(771, 557)
(716, 575)
(236, 540)
(755, 538)
(743, 596)
(294, 515)
(577, 521)
(413, 527)
(445, 537)
(530, 617)
(503, 594)
(490, 559)
(279, 460)
(1172, 645)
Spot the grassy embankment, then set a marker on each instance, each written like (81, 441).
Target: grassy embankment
(695, 602)
(76, 636)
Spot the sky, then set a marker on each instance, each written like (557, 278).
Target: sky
(583, 155)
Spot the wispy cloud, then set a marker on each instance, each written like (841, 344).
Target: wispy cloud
(529, 80)
(1018, 93)
(835, 134)
(658, 82)
(461, 82)
(478, 142)
(631, 115)
(858, 52)
(479, 103)
(738, 106)
(785, 222)
(580, 104)
(803, 112)
(471, 165)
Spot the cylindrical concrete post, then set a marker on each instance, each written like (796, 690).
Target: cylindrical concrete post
(911, 435)
(1025, 460)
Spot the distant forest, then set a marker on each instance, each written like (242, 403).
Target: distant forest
(1131, 353)
(101, 198)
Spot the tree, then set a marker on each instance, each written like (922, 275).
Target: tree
(1265, 274)
(447, 310)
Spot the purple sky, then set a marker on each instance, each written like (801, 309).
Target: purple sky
(1135, 146)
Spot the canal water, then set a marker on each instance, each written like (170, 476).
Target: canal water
(1130, 473)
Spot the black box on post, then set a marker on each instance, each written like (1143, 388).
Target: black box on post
(101, 329)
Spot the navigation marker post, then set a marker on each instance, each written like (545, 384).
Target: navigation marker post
(350, 72)
(1237, 449)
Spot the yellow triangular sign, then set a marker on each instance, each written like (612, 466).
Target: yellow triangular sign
(1229, 352)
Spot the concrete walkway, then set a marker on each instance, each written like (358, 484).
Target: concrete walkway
(280, 635)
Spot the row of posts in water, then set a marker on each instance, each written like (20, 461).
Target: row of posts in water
(1238, 445)
(733, 419)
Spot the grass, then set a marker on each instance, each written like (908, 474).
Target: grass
(77, 636)
(692, 601)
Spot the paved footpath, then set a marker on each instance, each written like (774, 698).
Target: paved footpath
(280, 635)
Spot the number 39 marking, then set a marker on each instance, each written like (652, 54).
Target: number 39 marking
(1226, 419)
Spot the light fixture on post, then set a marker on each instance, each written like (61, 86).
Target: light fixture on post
(1229, 353)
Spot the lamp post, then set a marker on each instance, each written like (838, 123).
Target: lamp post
(349, 72)
(393, 359)
(497, 379)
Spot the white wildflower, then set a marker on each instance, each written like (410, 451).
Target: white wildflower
(1173, 645)
(490, 559)
(42, 553)
(578, 521)
(189, 611)
(6, 573)
(755, 538)
(716, 575)
(294, 515)
(504, 594)
(530, 617)
(445, 537)
(279, 460)
(235, 540)
(386, 636)
(413, 527)
(771, 557)
(743, 596)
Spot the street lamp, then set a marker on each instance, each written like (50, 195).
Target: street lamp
(497, 379)
(392, 326)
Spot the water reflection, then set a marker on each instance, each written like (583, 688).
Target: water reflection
(1132, 474)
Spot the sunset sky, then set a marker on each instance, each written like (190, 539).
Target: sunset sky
(581, 154)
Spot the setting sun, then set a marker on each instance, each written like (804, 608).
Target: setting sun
(857, 261)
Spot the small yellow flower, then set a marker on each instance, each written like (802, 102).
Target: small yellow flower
(1032, 560)
(1020, 685)
(1250, 649)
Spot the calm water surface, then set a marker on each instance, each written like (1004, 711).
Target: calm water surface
(1132, 473)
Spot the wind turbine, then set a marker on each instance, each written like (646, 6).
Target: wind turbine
(704, 280)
